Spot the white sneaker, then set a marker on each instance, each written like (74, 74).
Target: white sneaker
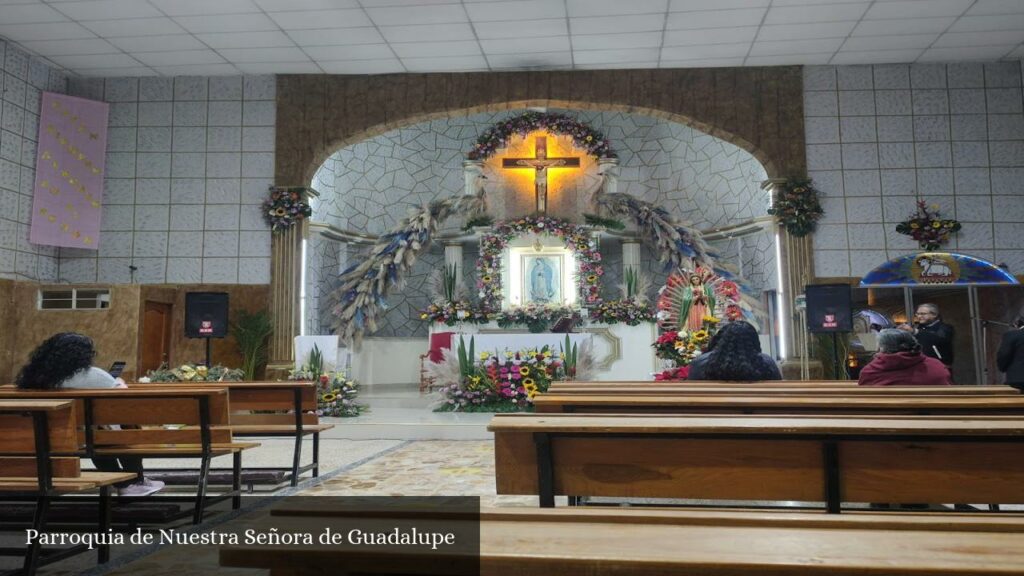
(153, 483)
(137, 490)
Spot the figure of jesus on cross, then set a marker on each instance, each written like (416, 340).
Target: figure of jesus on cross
(540, 162)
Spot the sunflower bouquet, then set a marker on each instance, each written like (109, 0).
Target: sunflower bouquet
(336, 396)
(927, 226)
(681, 347)
(285, 208)
(504, 381)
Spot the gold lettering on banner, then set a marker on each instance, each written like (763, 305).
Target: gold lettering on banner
(64, 227)
(46, 155)
(51, 218)
(87, 240)
(43, 211)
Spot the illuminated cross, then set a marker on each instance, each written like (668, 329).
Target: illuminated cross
(541, 163)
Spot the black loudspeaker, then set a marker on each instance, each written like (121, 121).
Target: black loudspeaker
(829, 308)
(206, 314)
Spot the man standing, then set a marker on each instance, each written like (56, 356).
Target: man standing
(934, 335)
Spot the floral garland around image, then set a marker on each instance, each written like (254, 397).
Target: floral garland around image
(335, 395)
(927, 226)
(576, 238)
(797, 207)
(285, 208)
(194, 373)
(583, 136)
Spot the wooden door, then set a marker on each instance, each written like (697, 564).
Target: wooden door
(156, 336)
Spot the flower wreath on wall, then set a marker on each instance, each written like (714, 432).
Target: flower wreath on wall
(576, 238)
(797, 207)
(285, 207)
(927, 226)
(496, 137)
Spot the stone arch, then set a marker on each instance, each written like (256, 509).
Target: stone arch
(757, 109)
(333, 146)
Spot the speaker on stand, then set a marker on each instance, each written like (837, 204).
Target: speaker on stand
(206, 316)
(829, 311)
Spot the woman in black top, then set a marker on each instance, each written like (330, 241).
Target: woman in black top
(735, 354)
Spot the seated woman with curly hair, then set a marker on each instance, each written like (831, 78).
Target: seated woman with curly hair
(65, 361)
(734, 353)
(899, 361)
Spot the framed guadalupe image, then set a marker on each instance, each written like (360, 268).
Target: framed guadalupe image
(542, 278)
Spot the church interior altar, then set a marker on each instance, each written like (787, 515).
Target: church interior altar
(539, 231)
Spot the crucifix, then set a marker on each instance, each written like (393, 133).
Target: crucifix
(540, 162)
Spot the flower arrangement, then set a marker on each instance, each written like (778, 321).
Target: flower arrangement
(629, 312)
(576, 238)
(927, 226)
(536, 317)
(335, 392)
(497, 136)
(451, 313)
(797, 207)
(681, 347)
(506, 381)
(195, 373)
(285, 207)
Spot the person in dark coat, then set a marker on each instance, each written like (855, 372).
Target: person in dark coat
(899, 362)
(734, 354)
(934, 335)
(1010, 357)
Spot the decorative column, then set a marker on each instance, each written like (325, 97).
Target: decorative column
(453, 255)
(797, 264)
(473, 176)
(630, 256)
(609, 170)
(285, 290)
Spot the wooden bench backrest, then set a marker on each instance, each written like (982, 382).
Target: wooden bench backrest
(883, 460)
(669, 404)
(246, 397)
(757, 388)
(715, 390)
(148, 408)
(17, 436)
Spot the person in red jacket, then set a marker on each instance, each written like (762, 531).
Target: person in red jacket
(899, 362)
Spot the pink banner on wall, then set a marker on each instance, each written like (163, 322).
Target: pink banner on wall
(69, 172)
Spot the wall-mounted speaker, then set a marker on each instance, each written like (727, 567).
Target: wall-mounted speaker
(206, 314)
(829, 308)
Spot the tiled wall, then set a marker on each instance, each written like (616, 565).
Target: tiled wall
(369, 187)
(22, 81)
(879, 137)
(189, 161)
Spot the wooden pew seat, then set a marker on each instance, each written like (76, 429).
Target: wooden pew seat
(173, 422)
(597, 542)
(269, 409)
(809, 459)
(31, 433)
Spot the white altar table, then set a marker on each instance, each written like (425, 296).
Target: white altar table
(499, 343)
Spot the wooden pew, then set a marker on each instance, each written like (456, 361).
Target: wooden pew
(621, 542)
(777, 404)
(171, 423)
(32, 435)
(714, 389)
(286, 409)
(810, 459)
